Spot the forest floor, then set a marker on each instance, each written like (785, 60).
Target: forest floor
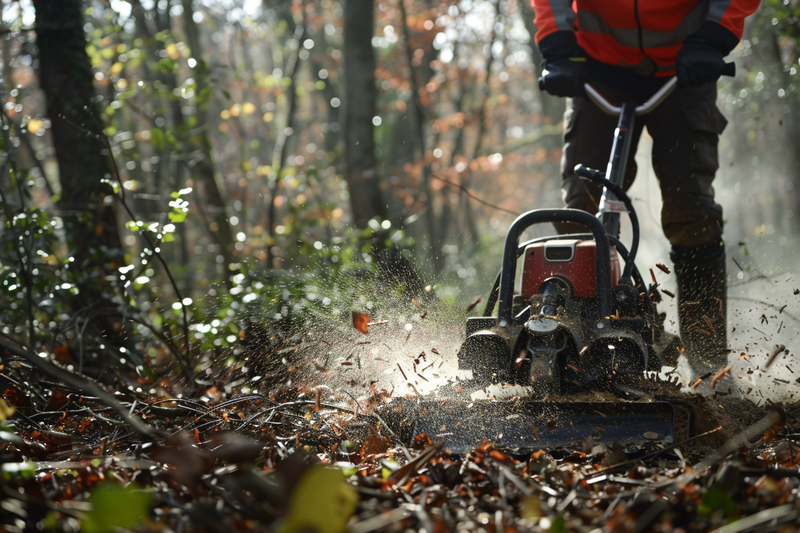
(235, 450)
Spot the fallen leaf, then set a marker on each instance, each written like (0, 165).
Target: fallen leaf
(5, 410)
(333, 500)
(375, 444)
(360, 321)
(115, 507)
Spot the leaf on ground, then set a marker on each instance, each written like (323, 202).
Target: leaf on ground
(5, 410)
(188, 461)
(375, 444)
(558, 525)
(234, 449)
(115, 506)
(719, 500)
(530, 508)
(325, 490)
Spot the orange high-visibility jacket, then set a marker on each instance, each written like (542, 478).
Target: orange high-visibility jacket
(642, 35)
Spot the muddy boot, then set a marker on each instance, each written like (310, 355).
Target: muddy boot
(702, 312)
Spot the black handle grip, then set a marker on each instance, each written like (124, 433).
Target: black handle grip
(728, 69)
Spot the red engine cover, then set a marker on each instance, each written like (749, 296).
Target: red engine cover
(572, 259)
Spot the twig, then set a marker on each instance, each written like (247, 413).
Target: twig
(24, 266)
(472, 196)
(167, 271)
(121, 197)
(81, 383)
(772, 418)
(775, 353)
(777, 515)
(656, 452)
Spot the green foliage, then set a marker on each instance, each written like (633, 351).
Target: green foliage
(115, 506)
(558, 525)
(26, 470)
(716, 500)
(334, 502)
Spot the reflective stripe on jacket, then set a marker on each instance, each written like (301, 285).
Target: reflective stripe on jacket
(642, 35)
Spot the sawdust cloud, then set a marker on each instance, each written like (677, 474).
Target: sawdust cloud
(409, 349)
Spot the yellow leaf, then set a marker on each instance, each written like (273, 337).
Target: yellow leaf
(5, 410)
(332, 499)
(531, 509)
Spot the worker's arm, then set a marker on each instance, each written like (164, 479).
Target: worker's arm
(730, 15)
(701, 60)
(553, 16)
(564, 60)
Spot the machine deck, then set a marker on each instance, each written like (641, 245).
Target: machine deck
(531, 425)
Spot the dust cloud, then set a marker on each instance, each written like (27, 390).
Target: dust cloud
(763, 273)
(409, 349)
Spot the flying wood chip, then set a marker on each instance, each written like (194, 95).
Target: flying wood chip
(663, 268)
(471, 306)
(719, 375)
(360, 321)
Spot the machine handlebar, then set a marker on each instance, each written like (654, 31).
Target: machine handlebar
(729, 69)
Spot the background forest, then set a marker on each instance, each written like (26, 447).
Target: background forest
(175, 172)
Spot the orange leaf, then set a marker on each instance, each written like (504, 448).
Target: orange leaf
(63, 354)
(360, 321)
(375, 444)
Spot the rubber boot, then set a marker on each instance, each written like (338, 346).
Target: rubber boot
(702, 305)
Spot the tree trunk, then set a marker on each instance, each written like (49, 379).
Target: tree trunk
(281, 148)
(90, 221)
(420, 123)
(360, 94)
(204, 171)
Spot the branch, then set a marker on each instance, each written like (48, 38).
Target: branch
(472, 196)
(530, 139)
(82, 383)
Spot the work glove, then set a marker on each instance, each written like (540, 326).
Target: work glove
(701, 59)
(564, 72)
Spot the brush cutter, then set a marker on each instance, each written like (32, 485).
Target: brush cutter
(578, 321)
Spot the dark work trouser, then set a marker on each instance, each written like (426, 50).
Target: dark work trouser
(685, 129)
